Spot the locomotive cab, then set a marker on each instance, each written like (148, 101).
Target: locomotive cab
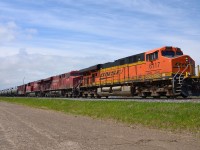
(160, 62)
(182, 69)
(170, 64)
(181, 64)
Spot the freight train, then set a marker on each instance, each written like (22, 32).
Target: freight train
(164, 71)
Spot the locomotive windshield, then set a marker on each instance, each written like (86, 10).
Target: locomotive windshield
(179, 53)
(168, 53)
(172, 52)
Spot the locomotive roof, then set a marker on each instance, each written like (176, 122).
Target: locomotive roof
(92, 68)
(126, 60)
(121, 61)
(163, 48)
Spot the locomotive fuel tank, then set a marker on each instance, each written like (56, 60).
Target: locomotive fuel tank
(115, 91)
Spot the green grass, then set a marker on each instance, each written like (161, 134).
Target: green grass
(172, 116)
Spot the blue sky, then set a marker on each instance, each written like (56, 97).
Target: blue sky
(48, 37)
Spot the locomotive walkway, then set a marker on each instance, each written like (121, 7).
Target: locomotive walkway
(23, 128)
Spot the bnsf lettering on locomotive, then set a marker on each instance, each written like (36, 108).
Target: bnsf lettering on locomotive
(112, 73)
(107, 73)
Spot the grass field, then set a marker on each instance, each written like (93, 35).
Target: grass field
(172, 116)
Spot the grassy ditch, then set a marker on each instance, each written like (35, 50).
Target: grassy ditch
(173, 116)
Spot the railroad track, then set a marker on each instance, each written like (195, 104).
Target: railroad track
(138, 99)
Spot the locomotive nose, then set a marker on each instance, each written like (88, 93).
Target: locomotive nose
(183, 61)
(188, 59)
(185, 64)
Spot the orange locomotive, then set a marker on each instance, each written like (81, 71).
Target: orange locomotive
(164, 71)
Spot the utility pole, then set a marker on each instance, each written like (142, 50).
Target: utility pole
(24, 86)
(23, 80)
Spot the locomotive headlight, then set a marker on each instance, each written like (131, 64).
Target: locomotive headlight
(163, 74)
(186, 59)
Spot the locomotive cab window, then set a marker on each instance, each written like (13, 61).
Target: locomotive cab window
(152, 56)
(168, 53)
(179, 53)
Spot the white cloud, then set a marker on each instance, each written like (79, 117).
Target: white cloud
(36, 66)
(8, 32)
(30, 32)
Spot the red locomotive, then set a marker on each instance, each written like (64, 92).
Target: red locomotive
(164, 71)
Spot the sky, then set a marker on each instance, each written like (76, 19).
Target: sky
(43, 38)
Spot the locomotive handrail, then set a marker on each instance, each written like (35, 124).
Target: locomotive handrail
(198, 71)
(183, 72)
(78, 84)
(175, 76)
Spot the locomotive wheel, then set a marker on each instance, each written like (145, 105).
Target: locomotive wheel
(185, 91)
(184, 96)
(144, 95)
(156, 97)
(174, 97)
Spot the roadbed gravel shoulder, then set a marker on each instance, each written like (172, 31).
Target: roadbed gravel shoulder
(23, 128)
